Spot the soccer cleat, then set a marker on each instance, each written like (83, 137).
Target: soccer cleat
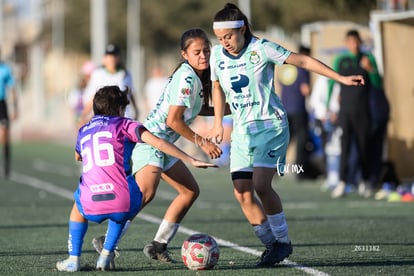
(276, 254)
(364, 190)
(68, 266)
(98, 243)
(339, 190)
(106, 262)
(158, 251)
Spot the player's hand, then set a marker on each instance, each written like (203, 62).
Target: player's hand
(354, 80)
(203, 165)
(216, 134)
(211, 149)
(366, 64)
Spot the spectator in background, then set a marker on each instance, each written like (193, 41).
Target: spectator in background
(112, 72)
(154, 86)
(7, 86)
(326, 122)
(295, 87)
(76, 96)
(354, 113)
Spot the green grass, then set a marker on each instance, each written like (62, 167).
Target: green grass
(350, 236)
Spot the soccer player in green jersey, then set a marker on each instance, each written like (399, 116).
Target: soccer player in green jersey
(242, 71)
(186, 95)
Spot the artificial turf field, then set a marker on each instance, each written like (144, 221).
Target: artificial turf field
(349, 236)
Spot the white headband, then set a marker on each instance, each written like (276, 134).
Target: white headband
(228, 24)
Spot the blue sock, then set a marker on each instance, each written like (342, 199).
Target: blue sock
(77, 231)
(113, 234)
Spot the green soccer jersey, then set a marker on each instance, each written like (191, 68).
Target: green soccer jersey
(247, 81)
(183, 89)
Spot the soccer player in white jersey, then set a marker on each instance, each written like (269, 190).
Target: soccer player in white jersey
(186, 96)
(242, 71)
(112, 72)
(107, 188)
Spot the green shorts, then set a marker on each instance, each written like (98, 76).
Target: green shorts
(263, 149)
(145, 154)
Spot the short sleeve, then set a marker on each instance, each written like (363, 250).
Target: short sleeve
(181, 88)
(213, 73)
(275, 53)
(132, 130)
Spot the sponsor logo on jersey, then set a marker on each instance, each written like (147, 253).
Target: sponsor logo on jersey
(185, 91)
(238, 82)
(237, 106)
(103, 187)
(242, 96)
(158, 154)
(221, 65)
(271, 153)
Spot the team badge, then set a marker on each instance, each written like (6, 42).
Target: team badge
(185, 91)
(254, 58)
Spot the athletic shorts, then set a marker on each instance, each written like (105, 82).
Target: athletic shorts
(263, 149)
(145, 154)
(135, 200)
(4, 117)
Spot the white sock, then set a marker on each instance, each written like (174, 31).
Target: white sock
(73, 258)
(264, 233)
(279, 227)
(105, 252)
(166, 231)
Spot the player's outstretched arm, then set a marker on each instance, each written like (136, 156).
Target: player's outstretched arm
(171, 149)
(316, 66)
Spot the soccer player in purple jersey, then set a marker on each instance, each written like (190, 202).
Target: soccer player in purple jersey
(107, 189)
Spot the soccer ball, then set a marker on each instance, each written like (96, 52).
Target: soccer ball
(200, 252)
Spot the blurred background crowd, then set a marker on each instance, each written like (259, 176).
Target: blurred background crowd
(54, 46)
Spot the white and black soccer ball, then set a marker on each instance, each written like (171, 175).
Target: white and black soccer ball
(200, 252)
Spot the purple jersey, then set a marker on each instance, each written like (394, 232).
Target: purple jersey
(105, 145)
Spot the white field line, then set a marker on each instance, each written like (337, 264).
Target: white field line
(53, 189)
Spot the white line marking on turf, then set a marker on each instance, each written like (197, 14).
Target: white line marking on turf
(53, 189)
(48, 167)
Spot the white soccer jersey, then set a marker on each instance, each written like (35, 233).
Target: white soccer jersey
(183, 89)
(248, 83)
(101, 77)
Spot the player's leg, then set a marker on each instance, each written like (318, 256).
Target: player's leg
(361, 126)
(272, 205)
(252, 208)
(269, 156)
(181, 179)
(147, 178)
(5, 137)
(5, 143)
(346, 140)
(78, 226)
(107, 255)
(4, 149)
(241, 167)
